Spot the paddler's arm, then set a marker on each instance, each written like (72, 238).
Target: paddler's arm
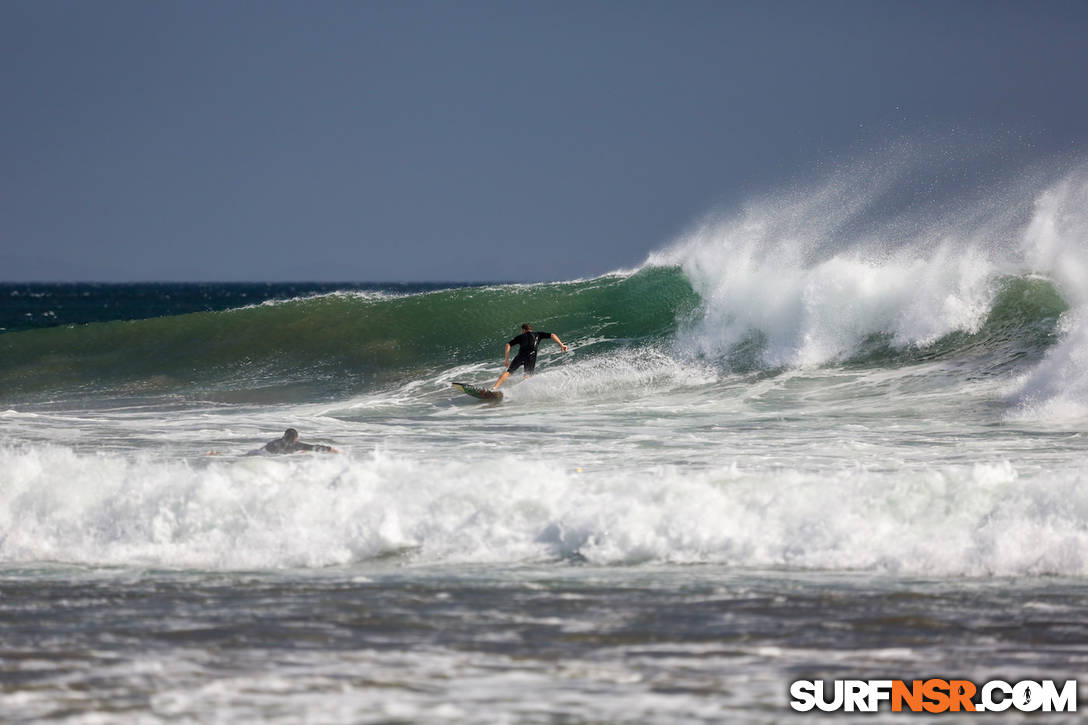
(558, 341)
(320, 448)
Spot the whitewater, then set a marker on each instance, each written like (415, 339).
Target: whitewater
(837, 429)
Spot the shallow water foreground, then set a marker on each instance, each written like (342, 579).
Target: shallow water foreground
(560, 643)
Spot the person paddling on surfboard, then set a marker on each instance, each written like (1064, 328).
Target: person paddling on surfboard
(527, 342)
(291, 444)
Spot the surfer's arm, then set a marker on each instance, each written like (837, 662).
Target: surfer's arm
(559, 342)
(318, 447)
(506, 356)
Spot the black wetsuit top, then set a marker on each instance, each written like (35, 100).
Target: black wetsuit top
(526, 342)
(281, 446)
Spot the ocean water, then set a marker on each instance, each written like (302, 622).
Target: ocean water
(828, 434)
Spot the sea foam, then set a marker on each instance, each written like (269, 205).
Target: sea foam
(264, 513)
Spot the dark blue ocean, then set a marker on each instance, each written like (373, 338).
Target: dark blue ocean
(32, 305)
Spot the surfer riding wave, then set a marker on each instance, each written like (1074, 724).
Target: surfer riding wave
(527, 343)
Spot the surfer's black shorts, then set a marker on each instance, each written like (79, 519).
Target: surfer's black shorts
(529, 361)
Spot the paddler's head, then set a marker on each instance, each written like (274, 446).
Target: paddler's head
(290, 435)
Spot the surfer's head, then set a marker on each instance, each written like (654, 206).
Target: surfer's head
(526, 326)
(290, 435)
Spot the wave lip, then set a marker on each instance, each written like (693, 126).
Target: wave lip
(806, 317)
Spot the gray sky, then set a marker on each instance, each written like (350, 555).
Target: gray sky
(382, 141)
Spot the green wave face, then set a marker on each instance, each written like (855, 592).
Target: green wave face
(342, 344)
(334, 344)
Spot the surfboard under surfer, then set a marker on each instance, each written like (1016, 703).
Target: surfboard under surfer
(527, 343)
